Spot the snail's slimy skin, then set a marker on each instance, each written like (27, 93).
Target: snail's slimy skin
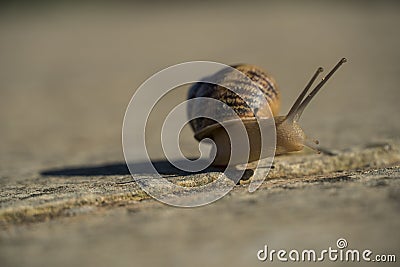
(289, 136)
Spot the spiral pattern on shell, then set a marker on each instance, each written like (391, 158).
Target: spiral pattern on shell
(260, 81)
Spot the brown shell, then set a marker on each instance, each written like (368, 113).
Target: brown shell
(260, 81)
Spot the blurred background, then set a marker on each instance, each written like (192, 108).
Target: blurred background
(69, 68)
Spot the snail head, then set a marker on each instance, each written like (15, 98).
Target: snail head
(290, 136)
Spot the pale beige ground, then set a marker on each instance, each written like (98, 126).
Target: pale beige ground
(67, 74)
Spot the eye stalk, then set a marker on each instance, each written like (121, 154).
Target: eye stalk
(293, 111)
(299, 106)
(290, 137)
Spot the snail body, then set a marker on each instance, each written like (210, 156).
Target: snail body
(289, 135)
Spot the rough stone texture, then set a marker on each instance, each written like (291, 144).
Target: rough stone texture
(40, 199)
(313, 213)
(67, 73)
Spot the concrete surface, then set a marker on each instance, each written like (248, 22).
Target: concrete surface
(67, 73)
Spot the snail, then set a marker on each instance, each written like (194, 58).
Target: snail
(289, 135)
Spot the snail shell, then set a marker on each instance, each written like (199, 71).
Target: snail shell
(249, 91)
